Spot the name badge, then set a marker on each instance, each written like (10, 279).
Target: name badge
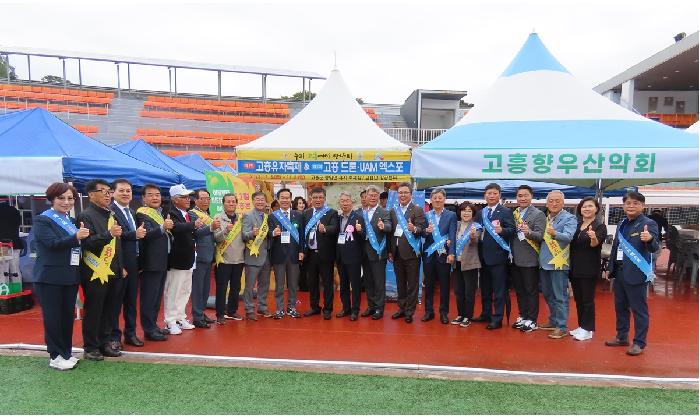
(521, 235)
(341, 238)
(620, 253)
(312, 234)
(398, 232)
(285, 237)
(75, 256)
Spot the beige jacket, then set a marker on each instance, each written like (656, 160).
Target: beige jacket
(469, 258)
(234, 252)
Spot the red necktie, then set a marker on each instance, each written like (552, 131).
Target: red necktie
(187, 217)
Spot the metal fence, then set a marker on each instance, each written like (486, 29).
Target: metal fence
(414, 137)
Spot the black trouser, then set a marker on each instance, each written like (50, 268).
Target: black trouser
(127, 292)
(228, 276)
(375, 284)
(315, 268)
(407, 272)
(101, 301)
(436, 269)
(465, 290)
(350, 286)
(57, 308)
(631, 297)
(201, 281)
(152, 284)
(303, 280)
(493, 291)
(525, 282)
(584, 295)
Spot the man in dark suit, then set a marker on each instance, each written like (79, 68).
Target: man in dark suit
(320, 235)
(128, 287)
(495, 254)
(286, 252)
(101, 271)
(406, 258)
(153, 259)
(351, 238)
(438, 254)
(630, 280)
(10, 220)
(204, 244)
(378, 220)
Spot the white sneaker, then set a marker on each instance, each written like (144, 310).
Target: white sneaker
(73, 360)
(174, 328)
(185, 324)
(59, 363)
(575, 332)
(583, 335)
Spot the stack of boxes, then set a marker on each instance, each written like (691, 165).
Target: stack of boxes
(12, 298)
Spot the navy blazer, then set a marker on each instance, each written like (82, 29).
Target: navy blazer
(128, 239)
(153, 254)
(447, 226)
(182, 251)
(204, 240)
(384, 214)
(351, 251)
(53, 252)
(325, 242)
(627, 271)
(280, 253)
(491, 253)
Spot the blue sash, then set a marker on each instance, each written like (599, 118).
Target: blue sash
(489, 228)
(412, 239)
(314, 220)
(287, 224)
(64, 223)
(634, 255)
(372, 237)
(463, 241)
(438, 241)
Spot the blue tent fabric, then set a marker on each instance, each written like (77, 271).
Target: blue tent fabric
(38, 133)
(475, 189)
(142, 151)
(198, 163)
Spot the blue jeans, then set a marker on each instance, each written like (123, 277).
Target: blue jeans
(555, 287)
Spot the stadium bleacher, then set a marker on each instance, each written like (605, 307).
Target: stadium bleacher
(53, 99)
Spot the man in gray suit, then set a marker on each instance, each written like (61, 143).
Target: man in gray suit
(376, 253)
(257, 260)
(204, 248)
(525, 246)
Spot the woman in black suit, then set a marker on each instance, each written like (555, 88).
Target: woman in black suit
(57, 272)
(585, 265)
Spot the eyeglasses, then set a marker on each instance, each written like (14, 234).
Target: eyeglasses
(103, 191)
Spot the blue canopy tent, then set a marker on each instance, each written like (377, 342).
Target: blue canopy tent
(198, 163)
(142, 151)
(475, 189)
(38, 133)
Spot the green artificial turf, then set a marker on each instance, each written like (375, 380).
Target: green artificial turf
(118, 387)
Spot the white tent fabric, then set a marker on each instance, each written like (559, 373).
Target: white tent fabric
(29, 175)
(694, 128)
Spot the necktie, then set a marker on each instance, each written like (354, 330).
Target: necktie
(490, 213)
(286, 213)
(132, 225)
(187, 217)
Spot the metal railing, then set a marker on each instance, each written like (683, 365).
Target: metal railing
(414, 137)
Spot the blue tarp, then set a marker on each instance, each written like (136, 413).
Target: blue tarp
(38, 133)
(198, 163)
(475, 189)
(142, 151)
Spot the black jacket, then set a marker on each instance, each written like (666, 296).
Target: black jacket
(280, 253)
(326, 241)
(53, 253)
(153, 250)
(351, 251)
(584, 259)
(182, 252)
(128, 238)
(95, 219)
(491, 253)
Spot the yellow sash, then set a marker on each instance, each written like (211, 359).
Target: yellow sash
(223, 245)
(560, 257)
(101, 265)
(254, 246)
(535, 246)
(151, 213)
(203, 216)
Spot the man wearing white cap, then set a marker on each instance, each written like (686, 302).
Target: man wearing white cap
(178, 283)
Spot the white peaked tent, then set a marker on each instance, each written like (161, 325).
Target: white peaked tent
(694, 128)
(331, 139)
(538, 122)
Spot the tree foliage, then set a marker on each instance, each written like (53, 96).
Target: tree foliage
(53, 79)
(4, 66)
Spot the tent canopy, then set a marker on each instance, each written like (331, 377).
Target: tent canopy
(331, 139)
(197, 162)
(142, 151)
(38, 133)
(538, 122)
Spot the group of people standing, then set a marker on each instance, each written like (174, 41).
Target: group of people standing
(154, 255)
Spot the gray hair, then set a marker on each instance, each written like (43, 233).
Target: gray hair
(345, 193)
(438, 190)
(373, 188)
(556, 192)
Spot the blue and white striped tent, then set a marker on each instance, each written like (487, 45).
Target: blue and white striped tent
(538, 122)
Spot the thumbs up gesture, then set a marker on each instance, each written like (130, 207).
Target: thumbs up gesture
(216, 224)
(411, 227)
(198, 223)
(229, 227)
(497, 226)
(256, 230)
(429, 229)
(645, 236)
(82, 232)
(552, 232)
(525, 228)
(168, 224)
(472, 232)
(380, 224)
(321, 228)
(140, 231)
(590, 232)
(115, 230)
(277, 231)
(358, 226)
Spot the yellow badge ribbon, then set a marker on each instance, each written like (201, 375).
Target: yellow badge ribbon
(203, 216)
(254, 246)
(101, 265)
(151, 213)
(560, 257)
(223, 245)
(519, 220)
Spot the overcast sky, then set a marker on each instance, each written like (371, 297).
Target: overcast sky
(385, 49)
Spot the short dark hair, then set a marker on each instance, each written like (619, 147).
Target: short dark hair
(634, 196)
(233, 195)
(256, 194)
(148, 186)
(284, 190)
(362, 193)
(56, 189)
(464, 205)
(405, 184)
(318, 190)
(587, 199)
(523, 187)
(198, 191)
(384, 195)
(274, 203)
(121, 181)
(295, 202)
(492, 186)
(91, 185)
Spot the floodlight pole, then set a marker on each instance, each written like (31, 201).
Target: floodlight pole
(63, 62)
(128, 77)
(119, 85)
(264, 88)
(175, 78)
(29, 68)
(170, 82)
(80, 73)
(303, 90)
(218, 77)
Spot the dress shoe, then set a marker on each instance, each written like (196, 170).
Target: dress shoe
(208, 320)
(548, 327)
(200, 323)
(327, 315)
(494, 325)
(220, 320)
(109, 351)
(133, 340)
(617, 343)
(93, 356)
(481, 318)
(408, 319)
(399, 314)
(265, 313)
(155, 336)
(116, 345)
(429, 316)
(164, 331)
(312, 312)
(342, 314)
(367, 312)
(377, 315)
(558, 334)
(444, 319)
(635, 350)
(353, 316)
(251, 316)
